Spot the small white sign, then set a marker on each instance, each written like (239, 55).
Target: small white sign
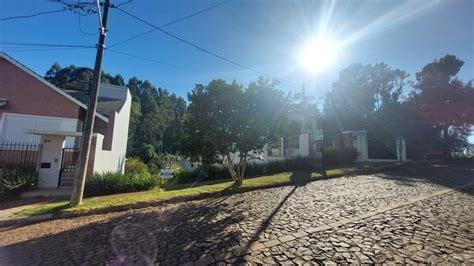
(166, 173)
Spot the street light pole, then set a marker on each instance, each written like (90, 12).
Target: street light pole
(80, 179)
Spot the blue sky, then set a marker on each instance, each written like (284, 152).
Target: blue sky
(261, 34)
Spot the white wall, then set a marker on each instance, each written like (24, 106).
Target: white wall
(104, 161)
(189, 166)
(304, 145)
(114, 160)
(13, 126)
(401, 150)
(360, 144)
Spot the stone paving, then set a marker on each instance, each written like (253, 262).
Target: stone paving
(358, 219)
(437, 230)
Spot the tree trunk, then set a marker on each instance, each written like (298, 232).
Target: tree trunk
(231, 167)
(446, 140)
(241, 168)
(237, 172)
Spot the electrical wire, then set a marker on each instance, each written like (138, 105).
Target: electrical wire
(47, 45)
(83, 31)
(34, 15)
(192, 44)
(41, 49)
(153, 61)
(123, 3)
(169, 23)
(155, 28)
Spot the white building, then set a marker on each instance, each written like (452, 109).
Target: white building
(32, 110)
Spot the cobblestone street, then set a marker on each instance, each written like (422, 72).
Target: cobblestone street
(419, 215)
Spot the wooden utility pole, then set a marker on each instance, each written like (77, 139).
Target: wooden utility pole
(80, 179)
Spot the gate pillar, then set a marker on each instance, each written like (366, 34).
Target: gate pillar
(50, 160)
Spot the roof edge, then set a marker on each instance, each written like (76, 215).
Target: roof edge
(47, 83)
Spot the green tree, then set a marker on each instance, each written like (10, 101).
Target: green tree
(147, 152)
(445, 101)
(226, 119)
(135, 116)
(78, 78)
(366, 97)
(52, 72)
(149, 127)
(174, 130)
(155, 117)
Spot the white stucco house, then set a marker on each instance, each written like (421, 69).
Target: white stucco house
(32, 110)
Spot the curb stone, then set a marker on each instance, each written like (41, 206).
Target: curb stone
(35, 218)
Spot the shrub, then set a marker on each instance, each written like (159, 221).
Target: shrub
(279, 166)
(17, 179)
(143, 181)
(301, 164)
(333, 156)
(252, 169)
(112, 183)
(204, 173)
(134, 166)
(154, 165)
(183, 176)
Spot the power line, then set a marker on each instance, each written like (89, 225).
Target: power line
(170, 23)
(55, 48)
(192, 44)
(83, 8)
(34, 15)
(153, 61)
(41, 49)
(47, 45)
(123, 3)
(83, 31)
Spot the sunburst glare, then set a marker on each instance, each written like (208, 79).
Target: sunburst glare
(318, 54)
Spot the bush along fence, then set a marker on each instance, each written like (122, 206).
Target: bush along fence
(332, 157)
(138, 175)
(113, 183)
(18, 166)
(218, 172)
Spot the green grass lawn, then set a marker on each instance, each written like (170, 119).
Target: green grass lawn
(156, 195)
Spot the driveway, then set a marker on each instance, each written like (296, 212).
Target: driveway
(415, 215)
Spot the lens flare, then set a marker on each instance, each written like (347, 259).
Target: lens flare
(318, 54)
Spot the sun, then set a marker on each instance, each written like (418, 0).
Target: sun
(318, 54)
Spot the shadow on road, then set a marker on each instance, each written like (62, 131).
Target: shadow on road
(15, 202)
(299, 179)
(169, 236)
(443, 175)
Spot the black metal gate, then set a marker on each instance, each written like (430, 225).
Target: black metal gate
(18, 163)
(69, 166)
